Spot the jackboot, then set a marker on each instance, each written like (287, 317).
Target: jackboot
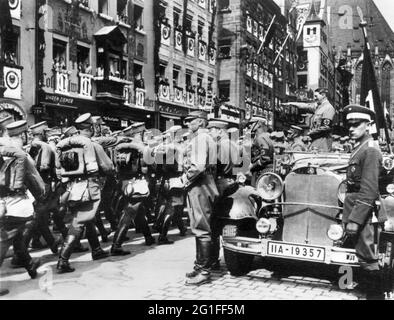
(178, 211)
(91, 235)
(201, 273)
(103, 232)
(63, 265)
(164, 230)
(214, 261)
(32, 267)
(116, 249)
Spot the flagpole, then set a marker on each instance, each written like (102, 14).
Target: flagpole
(363, 26)
(268, 30)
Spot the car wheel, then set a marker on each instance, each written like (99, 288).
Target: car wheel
(238, 264)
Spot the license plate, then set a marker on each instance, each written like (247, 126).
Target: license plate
(230, 231)
(285, 250)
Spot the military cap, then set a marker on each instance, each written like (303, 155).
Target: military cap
(70, 131)
(39, 128)
(358, 112)
(344, 139)
(173, 129)
(138, 127)
(197, 115)
(6, 121)
(274, 135)
(220, 124)
(16, 128)
(322, 90)
(84, 121)
(256, 121)
(54, 132)
(297, 128)
(97, 120)
(128, 131)
(280, 135)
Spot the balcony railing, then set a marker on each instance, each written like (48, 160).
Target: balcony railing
(190, 98)
(62, 81)
(85, 85)
(140, 97)
(111, 88)
(164, 92)
(178, 95)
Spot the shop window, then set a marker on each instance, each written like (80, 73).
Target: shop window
(138, 17)
(59, 54)
(103, 6)
(83, 58)
(9, 47)
(224, 90)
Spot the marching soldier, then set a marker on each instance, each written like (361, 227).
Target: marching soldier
(132, 171)
(359, 212)
(81, 161)
(171, 155)
(16, 202)
(199, 181)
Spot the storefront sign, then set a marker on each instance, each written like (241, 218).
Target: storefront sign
(58, 99)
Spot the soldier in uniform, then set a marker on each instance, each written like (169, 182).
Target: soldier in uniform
(227, 158)
(359, 213)
(16, 202)
(295, 140)
(3, 124)
(82, 161)
(199, 181)
(132, 171)
(262, 148)
(322, 120)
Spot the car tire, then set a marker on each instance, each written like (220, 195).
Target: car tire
(238, 264)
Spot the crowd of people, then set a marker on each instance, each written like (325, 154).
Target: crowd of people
(130, 177)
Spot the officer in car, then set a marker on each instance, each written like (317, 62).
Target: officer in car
(83, 187)
(295, 142)
(359, 211)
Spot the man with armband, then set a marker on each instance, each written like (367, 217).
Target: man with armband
(81, 162)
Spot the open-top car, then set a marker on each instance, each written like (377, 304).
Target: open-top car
(299, 216)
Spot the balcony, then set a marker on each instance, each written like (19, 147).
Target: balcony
(111, 88)
(85, 85)
(62, 81)
(178, 95)
(140, 98)
(164, 92)
(190, 98)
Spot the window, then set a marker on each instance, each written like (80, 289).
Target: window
(200, 29)
(210, 83)
(59, 54)
(138, 17)
(83, 58)
(103, 6)
(175, 76)
(189, 74)
(223, 4)
(138, 76)
(122, 11)
(200, 80)
(302, 81)
(224, 49)
(224, 90)
(9, 47)
(176, 17)
(188, 24)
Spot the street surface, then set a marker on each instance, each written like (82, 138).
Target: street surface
(157, 273)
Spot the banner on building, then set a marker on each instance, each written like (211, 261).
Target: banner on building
(303, 11)
(165, 34)
(15, 8)
(12, 81)
(178, 40)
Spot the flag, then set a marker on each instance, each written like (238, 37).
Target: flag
(270, 34)
(370, 96)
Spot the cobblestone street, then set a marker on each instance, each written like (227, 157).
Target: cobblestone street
(157, 273)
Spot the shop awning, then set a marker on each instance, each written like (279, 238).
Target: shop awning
(113, 32)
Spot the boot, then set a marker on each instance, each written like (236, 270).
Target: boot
(4, 292)
(179, 221)
(201, 273)
(374, 285)
(103, 232)
(91, 234)
(32, 267)
(116, 249)
(214, 261)
(55, 246)
(16, 263)
(163, 235)
(63, 266)
(79, 248)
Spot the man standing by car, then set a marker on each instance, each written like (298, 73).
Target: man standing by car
(199, 181)
(360, 211)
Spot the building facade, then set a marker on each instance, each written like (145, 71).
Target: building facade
(17, 59)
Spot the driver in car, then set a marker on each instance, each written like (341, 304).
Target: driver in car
(359, 213)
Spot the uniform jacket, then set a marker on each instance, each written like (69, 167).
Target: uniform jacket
(200, 161)
(44, 157)
(262, 151)
(322, 120)
(228, 156)
(362, 175)
(297, 145)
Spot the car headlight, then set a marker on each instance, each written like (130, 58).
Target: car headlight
(335, 232)
(390, 189)
(241, 178)
(263, 226)
(128, 190)
(286, 160)
(388, 163)
(270, 186)
(342, 189)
